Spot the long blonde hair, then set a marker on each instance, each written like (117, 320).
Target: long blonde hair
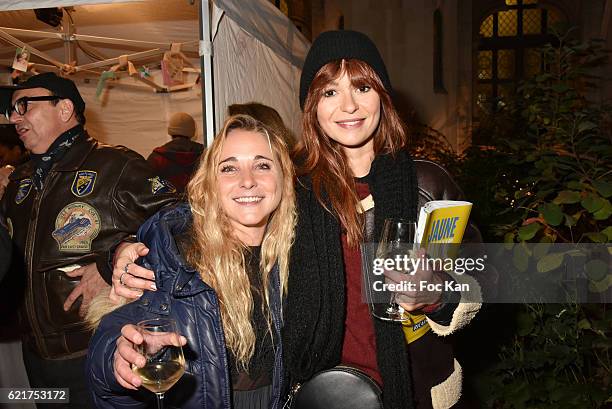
(219, 256)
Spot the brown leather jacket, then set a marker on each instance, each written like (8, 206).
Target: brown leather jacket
(432, 359)
(94, 196)
(435, 183)
(436, 373)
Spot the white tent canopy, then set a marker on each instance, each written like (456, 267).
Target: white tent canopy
(6, 5)
(257, 55)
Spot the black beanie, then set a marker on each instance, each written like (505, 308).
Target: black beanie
(337, 45)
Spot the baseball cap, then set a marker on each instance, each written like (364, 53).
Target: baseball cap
(62, 87)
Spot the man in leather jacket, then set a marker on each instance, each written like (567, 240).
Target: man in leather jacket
(65, 208)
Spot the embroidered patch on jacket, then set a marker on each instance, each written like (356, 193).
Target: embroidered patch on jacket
(83, 183)
(159, 185)
(25, 186)
(9, 226)
(76, 226)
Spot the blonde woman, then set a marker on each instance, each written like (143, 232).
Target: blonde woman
(221, 267)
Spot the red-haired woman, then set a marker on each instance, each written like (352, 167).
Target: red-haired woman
(355, 172)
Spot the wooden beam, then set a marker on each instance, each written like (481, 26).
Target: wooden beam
(31, 33)
(158, 88)
(113, 61)
(92, 51)
(120, 41)
(189, 45)
(122, 74)
(16, 42)
(35, 43)
(8, 62)
(180, 87)
(137, 85)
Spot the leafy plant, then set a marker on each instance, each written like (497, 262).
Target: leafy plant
(428, 143)
(566, 152)
(550, 181)
(559, 358)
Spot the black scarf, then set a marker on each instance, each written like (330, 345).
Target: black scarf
(316, 303)
(59, 147)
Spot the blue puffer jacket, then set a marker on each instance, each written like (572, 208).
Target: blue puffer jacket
(181, 295)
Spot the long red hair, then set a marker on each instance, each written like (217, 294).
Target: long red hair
(324, 159)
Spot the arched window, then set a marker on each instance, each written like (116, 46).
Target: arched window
(508, 42)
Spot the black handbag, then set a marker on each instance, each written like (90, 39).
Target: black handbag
(342, 387)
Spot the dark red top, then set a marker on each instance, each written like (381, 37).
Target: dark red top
(359, 347)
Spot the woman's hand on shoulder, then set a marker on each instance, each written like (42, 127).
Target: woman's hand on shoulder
(129, 279)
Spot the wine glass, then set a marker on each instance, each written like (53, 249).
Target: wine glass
(165, 363)
(397, 242)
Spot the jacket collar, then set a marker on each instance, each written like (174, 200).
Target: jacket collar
(172, 273)
(71, 161)
(23, 171)
(74, 158)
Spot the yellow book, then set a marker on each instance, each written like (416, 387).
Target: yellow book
(440, 221)
(443, 221)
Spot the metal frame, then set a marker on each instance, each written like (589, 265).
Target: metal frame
(496, 43)
(71, 39)
(206, 55)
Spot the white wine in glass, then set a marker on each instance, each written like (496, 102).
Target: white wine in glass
(397, 239)
(165, 363)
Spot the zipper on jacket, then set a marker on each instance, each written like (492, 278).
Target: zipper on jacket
(278, 356)
(29, 251)
(294, 389)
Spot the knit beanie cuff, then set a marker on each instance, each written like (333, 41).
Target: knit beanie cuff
(337, 45)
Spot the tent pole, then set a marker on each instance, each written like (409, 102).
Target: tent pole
(206, 79)
(70, 54)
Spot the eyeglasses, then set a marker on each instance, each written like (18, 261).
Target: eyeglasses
(21, 105)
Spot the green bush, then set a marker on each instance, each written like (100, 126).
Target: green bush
(544, 176)
(549, 180)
